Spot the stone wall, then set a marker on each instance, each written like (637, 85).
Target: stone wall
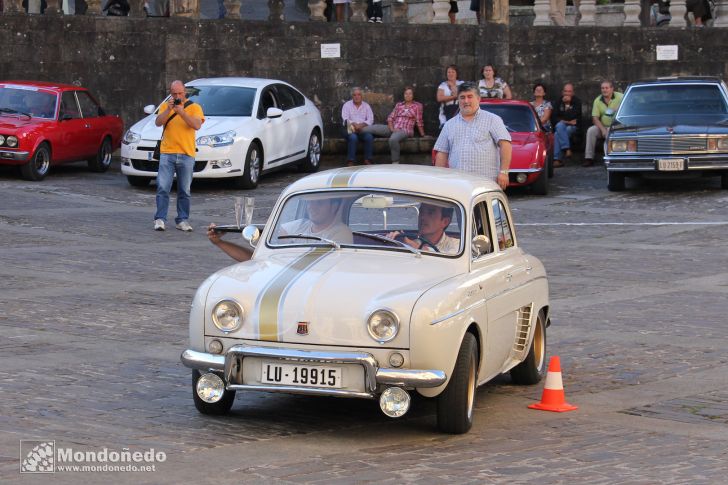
(129, 62)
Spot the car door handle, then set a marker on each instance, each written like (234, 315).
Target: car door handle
(509, 277)
(528, 269)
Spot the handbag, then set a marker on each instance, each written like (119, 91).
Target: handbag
(156, 153)
(450, 110)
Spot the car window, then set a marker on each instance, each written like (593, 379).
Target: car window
(515, 117)
(480, 225)
(69, 107)
(89, 108)
(673, 99)
(223, 100)
(285, 97)
(367, 219)
(267, 100)
(27, 100)
(503, 231)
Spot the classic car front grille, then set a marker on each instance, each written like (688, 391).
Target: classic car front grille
(153, 165)
(672, 144)
(524, 326)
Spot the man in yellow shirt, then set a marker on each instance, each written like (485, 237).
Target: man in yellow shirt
(181, 119)
(603, 110)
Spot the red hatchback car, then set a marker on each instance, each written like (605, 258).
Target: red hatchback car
(532, 160)
(44, 124)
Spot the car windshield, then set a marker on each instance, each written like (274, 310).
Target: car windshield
(223, 100)
(28, 101)
(376, 220)
(674, 99)
(516, 118)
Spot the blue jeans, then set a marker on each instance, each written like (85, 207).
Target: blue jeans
(184, 165)
(561, 138)
(351, 141)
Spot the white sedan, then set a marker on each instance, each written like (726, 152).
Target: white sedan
(375, 282)
(251, 126)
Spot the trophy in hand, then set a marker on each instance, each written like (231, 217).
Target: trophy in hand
(238, 211)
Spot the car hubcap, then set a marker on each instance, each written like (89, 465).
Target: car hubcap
(106, 154)
(314, 150)
(254, 165)
(42, 162)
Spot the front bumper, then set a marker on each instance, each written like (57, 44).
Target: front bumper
(218, 162)
(231, 363)
(648, 163)
(14, 156)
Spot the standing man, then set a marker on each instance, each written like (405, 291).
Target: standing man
(475, 140)
(568, 119)
(603, 111)
(181, 119)
(357, 115)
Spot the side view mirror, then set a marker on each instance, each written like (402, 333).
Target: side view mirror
(274, 113)
(480, 245)
(251, 234)
(149, 109)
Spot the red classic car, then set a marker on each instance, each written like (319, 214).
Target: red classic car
(44, 124)
(532, 160)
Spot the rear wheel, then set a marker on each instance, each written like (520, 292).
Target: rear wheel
(455, 404)
(313, 157)
(102, 161)
(217, 408)
(253, 165)
(615, 181)
(550, 164)
(37, 167)
(541, 185)
(724, 180)
(532, 370)
(135, 181)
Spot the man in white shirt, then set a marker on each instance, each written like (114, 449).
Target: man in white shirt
(357, 115)
(322, 221)
(432, 222)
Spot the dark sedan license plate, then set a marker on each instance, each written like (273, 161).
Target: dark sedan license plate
(671, 164)
(301, 375)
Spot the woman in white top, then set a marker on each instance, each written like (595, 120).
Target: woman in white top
(491, 86)
(447, 94)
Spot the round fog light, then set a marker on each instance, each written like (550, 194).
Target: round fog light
(521, 177)
(215, 347)
(394, 401)
(396, 359)
(210, 388)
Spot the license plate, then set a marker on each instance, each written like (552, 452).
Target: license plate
(671, 165)
(301, 375)
(149, 155)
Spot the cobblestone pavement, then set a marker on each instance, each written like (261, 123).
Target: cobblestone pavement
(93, 315)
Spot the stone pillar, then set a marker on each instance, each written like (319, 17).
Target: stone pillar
(721, 14)
(232, 9)
(588, 9)
(275, 11)
(94, 7)
(399, 12)
(498, 12)
(632, 9)
(317, 9)
(677, 12)
(184, 8)
(136, 8)
(358, 10)
(13, 6)
(541, 8)
(441, 9)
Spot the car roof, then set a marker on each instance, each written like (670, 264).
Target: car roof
(679, 80)
(243, 82)
(424, 179)
(44, 85)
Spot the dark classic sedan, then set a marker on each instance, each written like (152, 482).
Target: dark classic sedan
(669, 127)
(44, 124)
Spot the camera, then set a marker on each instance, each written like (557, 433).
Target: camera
(177, 101)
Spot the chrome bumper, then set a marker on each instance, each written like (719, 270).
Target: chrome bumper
(373, 374)
(17, 156)
(639, 163)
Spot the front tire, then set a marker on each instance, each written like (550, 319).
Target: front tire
(253, 166)
(615, 181)
(102, 161)
(455, 404)
(724, 181)
(541, 185)
(213, 409)
(136, 181)
(312, 161)
(532, 370)
(37, 167)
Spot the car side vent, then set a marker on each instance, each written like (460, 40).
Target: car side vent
(524, 327)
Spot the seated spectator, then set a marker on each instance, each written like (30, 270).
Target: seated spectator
(357, 115)
(447, 94)
(567, 117)
(700, 10)
(542, 106)
(400, 123)
(453, 13)
(374, 11)
(492, 86)
(603, 111)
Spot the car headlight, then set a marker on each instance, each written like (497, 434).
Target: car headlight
(2, 139)
(11, 141)
(383, 325)
(228, 315)
(722, 143)
(618, 146)
(219, 140)
(131, 137)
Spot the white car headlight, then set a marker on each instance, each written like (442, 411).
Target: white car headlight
(11, 141)
(228, 316)
(618, 146)
(220, 140)
(131, 137)
(722, 143)
(383, 325)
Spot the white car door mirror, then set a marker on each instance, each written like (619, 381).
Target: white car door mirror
(149, 109)
(251, 234)
(480, 245)
(274, 113)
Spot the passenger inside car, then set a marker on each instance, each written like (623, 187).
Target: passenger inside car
(323, 219)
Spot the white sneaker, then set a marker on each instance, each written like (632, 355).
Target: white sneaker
(378, 20)
(159, 225)
(184, 226)
(371, 20)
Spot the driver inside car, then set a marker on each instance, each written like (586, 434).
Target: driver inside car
(432, 222)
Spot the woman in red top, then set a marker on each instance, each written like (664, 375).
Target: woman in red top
(400, 123)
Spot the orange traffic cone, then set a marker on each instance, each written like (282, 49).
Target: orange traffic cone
(553, 398)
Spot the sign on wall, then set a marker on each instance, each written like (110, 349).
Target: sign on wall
(666, 52)
(330, 51)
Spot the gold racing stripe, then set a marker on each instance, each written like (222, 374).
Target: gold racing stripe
(343, 177)
(270, 301)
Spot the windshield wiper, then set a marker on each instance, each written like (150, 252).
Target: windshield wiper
(379, 237)
(14, 112)
(333, 244)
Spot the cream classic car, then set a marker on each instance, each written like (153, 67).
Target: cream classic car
(375, 282)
